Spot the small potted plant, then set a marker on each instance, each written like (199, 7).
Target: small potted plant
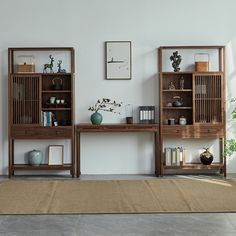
(104, 104)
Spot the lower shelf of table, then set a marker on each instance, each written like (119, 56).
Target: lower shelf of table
(216, 166)
(42, 167)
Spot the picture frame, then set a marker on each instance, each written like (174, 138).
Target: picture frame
(118, 60)
(55, 154)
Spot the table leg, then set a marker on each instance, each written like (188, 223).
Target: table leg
(72, 172)
(78, 154)
(157, 161)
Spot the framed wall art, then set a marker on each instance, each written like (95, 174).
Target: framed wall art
(55, 154)
(118, 60)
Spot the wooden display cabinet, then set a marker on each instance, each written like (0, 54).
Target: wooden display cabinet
(30, 106)
(203, 104)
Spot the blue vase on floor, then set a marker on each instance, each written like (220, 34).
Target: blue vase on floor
(96, 118)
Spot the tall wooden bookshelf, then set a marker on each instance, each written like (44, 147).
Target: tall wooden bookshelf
(203, 105)
(29, 101)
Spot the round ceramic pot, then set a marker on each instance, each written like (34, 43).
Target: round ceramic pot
(96, 118)
(182, 120)
(206, 157)
(35, 157)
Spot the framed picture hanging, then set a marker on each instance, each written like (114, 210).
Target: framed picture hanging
(118, 60)
(55, 154)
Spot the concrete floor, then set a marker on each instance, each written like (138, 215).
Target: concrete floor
(193, 224)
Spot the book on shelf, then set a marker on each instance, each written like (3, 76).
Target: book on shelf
(178, 156)
(147, 114)
(167, 156)
(48, 119)
(174, 156)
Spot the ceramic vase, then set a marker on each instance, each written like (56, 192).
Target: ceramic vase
(35, 157)
(96, 118)
(206, 157)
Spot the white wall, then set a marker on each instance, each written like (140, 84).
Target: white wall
(85, 25)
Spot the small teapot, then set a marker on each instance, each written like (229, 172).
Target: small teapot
(178, 101)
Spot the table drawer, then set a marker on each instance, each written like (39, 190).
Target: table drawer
(41, 132)
(209, 131)
(185, 131)
(193, 131)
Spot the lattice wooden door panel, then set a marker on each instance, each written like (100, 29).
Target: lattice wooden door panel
(26, 99)
(208, 98)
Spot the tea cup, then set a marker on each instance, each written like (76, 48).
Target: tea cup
(52, 100)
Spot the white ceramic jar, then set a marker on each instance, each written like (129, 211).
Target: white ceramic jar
(182, 120)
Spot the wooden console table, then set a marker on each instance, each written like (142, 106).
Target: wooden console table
(112, 128)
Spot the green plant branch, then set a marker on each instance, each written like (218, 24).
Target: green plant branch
(230, 144)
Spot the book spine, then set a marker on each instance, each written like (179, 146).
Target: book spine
(168, 156)
(184, 155)
(149, 114)
(173, 156)
(178, 156)
(153, 114)
(145, 113)
(141, 114)
(44, 118)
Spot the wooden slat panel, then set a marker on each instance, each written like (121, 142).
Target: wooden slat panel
(208, 98)
(26, 99)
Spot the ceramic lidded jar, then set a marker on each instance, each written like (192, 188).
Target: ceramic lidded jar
(35, 157)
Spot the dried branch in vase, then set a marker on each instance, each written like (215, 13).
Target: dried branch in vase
(105, 104)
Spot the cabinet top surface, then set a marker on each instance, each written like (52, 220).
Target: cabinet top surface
(38, 74)
(41, 48)
(193, 47)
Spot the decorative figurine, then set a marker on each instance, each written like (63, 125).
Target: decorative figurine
(171, 86)
(59, 67)
(50, 66)
(181, 83)
(176, 61)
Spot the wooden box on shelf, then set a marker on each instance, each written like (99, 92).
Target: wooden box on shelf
(25, 68)
(202, 66)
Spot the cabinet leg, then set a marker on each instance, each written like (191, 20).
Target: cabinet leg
(72, 173)
(10, 157)
(156, 151)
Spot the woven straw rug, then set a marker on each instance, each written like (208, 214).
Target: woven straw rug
(117, 196)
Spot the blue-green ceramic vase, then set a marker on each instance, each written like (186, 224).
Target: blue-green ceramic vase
(35, 157)
(96, 118)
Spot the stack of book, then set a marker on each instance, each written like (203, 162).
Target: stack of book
(147, 114)
(174, 156)
(49, 119)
